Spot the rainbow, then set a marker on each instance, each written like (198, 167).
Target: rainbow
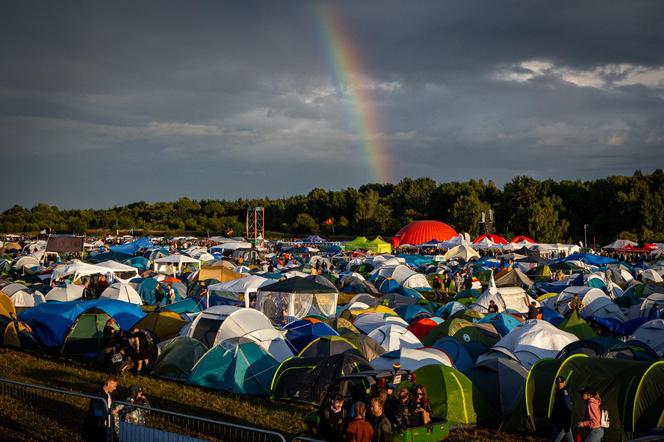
(344, 62)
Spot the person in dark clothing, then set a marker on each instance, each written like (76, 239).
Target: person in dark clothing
(437, 287)
(561, 413)
(533, 311)
(333, 417)
(397, 410)
(88, 294)
(420, 408)
(382, 428)
(493, 308)
(99, 421)
(111, 341)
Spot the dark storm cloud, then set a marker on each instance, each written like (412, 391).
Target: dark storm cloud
(107, 103)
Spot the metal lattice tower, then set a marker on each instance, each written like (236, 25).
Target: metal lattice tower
(255, 224)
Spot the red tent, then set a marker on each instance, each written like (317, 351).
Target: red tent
(521, 238)
(421, 327)
(497, 239)
(419, 232)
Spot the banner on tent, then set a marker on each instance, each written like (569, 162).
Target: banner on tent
(68, 244)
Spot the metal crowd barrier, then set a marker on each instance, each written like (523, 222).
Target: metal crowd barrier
(162, 425)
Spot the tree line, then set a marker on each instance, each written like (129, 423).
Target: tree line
(629, 207)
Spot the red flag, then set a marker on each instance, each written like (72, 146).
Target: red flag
(328, 222)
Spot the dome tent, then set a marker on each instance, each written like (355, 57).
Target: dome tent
(420, 232)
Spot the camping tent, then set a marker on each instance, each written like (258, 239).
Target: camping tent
(177, 357)
(295, 298)
(122, 292)
(394, 337)
(68, 292)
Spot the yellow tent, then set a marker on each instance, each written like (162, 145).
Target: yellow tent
(165, 324)
(220, 273)
(15, 335)
(7, 306)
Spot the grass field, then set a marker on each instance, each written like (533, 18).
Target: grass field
(60, 418)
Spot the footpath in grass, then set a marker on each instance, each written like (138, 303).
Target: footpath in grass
(61, 418)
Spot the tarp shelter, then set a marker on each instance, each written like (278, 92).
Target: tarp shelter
(534, 340)
(238, 366)
(120, 271)
(358, 243)
(78, 269)
(51, 321)
(452, 395)
(616, 381)
(238, 287)
(177, 357)
(295, 298)
(172, 264)
(307, 379)
(378, 245)
(132, 247)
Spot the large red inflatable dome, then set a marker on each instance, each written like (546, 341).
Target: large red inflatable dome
(419, 232)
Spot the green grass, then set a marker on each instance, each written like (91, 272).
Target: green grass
(56, 417)
(60, 417)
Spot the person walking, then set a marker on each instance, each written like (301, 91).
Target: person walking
(591, 416)
(100, 420)
(359, 430)
(382, 428)
(561, 413)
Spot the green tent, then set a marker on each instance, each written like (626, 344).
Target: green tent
(85, 338)
(616, 381)
(358, 243)
(240, 367)
(177, 357)
(453, 396)
(378, 245)
(539, 382)
(542, 273)
(648, 411)
(576, 325)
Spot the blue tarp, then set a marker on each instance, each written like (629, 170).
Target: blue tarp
(620, 328)
(51, 321)
(588, 258)
(132, 247)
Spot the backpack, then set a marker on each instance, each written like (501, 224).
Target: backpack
(604, 420)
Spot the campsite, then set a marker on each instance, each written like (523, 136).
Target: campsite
(484, 324)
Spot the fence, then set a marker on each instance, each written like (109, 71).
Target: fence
(67, 407)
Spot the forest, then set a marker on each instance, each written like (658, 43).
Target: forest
(628, 207)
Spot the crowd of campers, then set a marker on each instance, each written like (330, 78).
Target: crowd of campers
(412, 337)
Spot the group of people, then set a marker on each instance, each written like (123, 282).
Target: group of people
(126, 351)
(589, 428)
(388, 413)
(104, 415)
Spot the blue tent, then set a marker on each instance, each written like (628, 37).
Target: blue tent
(187, 305)
(503, 322)
(461, 358)
(407, 291)
(50, 321)
(141, 263)
(241, 367)
(410, 312)
(386, 285)
(109, 256)
(301, 332)
(552, 316)
(415, 260)
(132, 247)
(449, 309)
(147, 289)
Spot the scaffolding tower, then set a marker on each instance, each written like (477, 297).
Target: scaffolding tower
(256, 224)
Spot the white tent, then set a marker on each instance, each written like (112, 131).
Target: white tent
(26, 262)
(620, 244)
(70, 292)
(413, 358)
(509, 299)
(403, 275)
(486, 243)
(560, 302)
(642, 310)
(12, 288)
(117, 267)
(122, 292)
(597, 303)
(23, 298)
(652, 333)
(205, 325)
(79, 269)
(463, 252)
(230, 246)
(172, 263)
(241, 286)
(534, 340)
(252, 324)
(368, 322)
(394, 337)
(650, 275)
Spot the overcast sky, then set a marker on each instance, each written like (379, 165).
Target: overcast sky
(105, 103)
